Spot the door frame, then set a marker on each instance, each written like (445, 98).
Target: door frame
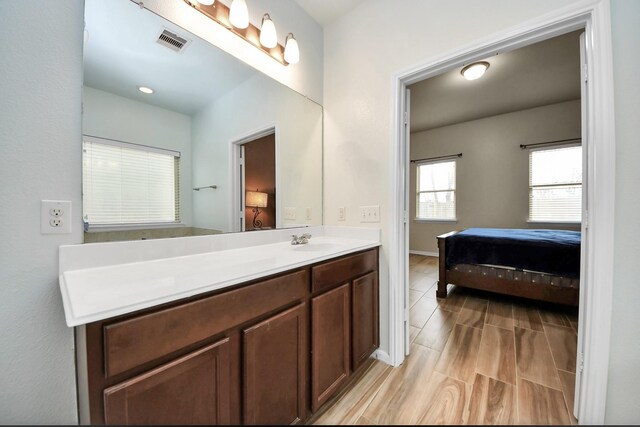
(595, 301)
(236, 174)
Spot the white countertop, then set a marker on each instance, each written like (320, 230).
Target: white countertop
(96, 293)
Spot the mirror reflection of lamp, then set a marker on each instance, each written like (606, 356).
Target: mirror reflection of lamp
(256, 200)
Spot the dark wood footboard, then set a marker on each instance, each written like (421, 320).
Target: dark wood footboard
(538, 286)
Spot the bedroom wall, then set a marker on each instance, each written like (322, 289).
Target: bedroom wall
(492, 176)
(107, 115)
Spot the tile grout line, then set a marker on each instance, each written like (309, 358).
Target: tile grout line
(555, 365)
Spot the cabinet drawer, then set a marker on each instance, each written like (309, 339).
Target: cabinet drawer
(132, 342)
(329, 274)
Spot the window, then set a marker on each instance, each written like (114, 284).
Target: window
(436, 187)
(555, 184)
(128, 184)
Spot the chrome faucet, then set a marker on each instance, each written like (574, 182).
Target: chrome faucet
(295, 240)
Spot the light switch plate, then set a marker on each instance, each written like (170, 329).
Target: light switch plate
(289, 213)
(370, 213)
(342, 213)
(55, 217)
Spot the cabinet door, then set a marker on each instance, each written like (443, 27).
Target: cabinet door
(275, 369)
(330, 344)
(364, 302)
(193, 389)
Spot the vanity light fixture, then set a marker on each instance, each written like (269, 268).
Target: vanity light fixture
(268, 36)
(239, 14)
(291, 51)
(145, 89)
(475, 70)
(236, 20)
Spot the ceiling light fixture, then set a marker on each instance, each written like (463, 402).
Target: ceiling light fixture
(236, 20)
(268, 35)
(239, 14)
(291, 50)
(145, 89)
(475, 70)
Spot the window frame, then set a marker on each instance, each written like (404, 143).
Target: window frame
(97, 227)
(454, 190)
(531, 187)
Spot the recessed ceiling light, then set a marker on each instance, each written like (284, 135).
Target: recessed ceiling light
(475, 70)
(145, 89)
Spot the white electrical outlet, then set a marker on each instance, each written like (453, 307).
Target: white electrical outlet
(342, 213)
(370, 213)
(55, 217)
(289, 213)
(308, 213)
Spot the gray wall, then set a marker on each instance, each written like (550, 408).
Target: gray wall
(623, 391)
(41, 69)
(492, 176)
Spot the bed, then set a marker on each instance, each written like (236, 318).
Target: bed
(538, 264)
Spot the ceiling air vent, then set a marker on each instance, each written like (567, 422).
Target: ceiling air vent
(172, 41)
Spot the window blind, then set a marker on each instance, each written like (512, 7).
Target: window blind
(436, 185)
(555, 184)
(125, 184)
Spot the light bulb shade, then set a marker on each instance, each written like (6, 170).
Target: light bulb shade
(256, 199)
(268, 36)
(239, 14)
(291, 51)
(475, 70)
(206, 2)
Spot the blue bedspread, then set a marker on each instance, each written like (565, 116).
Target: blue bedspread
(549, 251)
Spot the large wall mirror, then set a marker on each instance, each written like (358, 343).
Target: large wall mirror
(216, 147)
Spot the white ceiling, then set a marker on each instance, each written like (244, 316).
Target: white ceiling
(326, 11)
(121, 54)
(540, 74)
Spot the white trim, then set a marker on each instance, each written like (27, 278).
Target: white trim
(595, 309)
(235, 195)
(382, 356)
(424, 253)
(129, 145)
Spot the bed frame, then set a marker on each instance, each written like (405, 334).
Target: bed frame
(519, 283)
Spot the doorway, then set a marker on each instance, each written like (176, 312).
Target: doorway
(598, 143)
(259, 189)
(254, 181)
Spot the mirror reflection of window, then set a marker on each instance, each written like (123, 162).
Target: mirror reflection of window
(126, 184)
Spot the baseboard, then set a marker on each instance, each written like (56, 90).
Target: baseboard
(423, 253)
(382, 356)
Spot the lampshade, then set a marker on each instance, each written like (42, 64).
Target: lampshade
(239, 14)
(291, 51)
(475, 70)
(256, 199)
(206, 2)
(268, 36)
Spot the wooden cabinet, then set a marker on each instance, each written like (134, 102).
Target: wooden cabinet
(344, 323)
(194, 389)
(255, 354)
(364, 318)
(275, 369)
(330, 342)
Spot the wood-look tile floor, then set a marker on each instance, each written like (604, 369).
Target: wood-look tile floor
(476, 358)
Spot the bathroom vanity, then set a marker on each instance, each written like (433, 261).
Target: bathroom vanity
(271, 350)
